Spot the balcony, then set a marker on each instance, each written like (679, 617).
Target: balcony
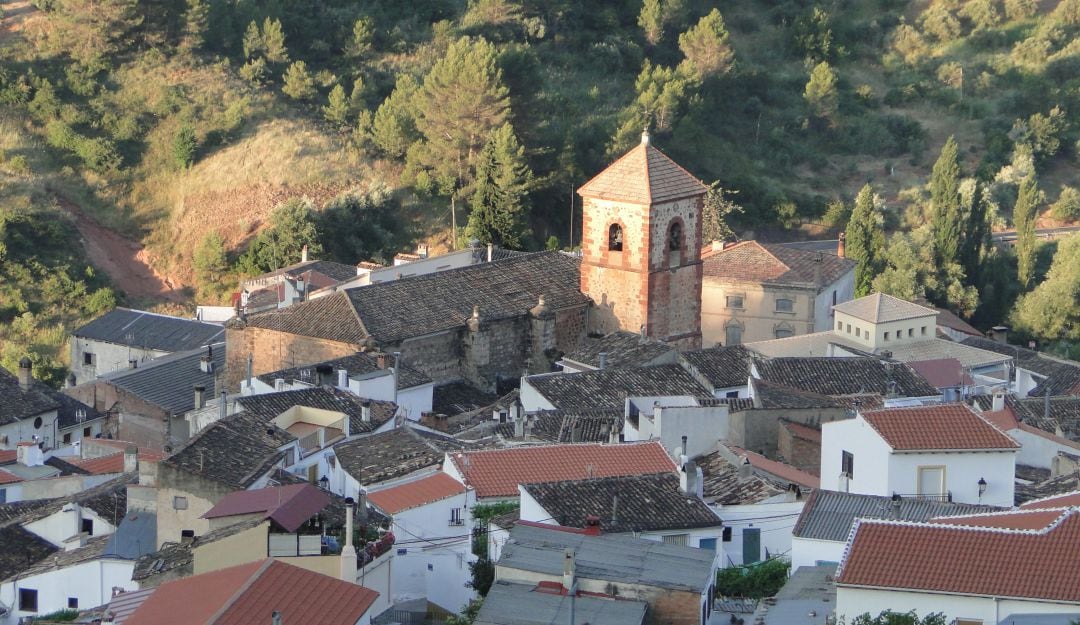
(944, 498)
(315, 428)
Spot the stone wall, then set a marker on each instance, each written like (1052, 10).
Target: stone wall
(200, 495)
(571, 327)
(799, 452)
(673, 607)
(758, 429)
(273, 350)
(495, 349)
(437, 355)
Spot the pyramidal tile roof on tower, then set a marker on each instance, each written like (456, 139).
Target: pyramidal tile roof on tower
(882, 308)
(644, 175)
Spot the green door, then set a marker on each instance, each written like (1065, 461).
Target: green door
(751, 545)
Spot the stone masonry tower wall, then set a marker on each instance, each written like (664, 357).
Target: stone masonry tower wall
(641, 248)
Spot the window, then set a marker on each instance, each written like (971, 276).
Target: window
(676, 539)
(839, 326)
(179, 503)
(402, 552)
(37, 423)
(3, 495)
(732, 394)
(849, 328)
(847, 463)
(614, 238)
(675, 237)
(886, 336)
(922, 331)
(727, 535)
(27, 600)
(73, 603)
(785, 305)
(455, 516)
(931, 481)
(734, 301)
(782, 332)
(88, 526)
(858, 332)
(88, 359)
(86, 432)
(733, 334)
(67, 438)
(290, 456)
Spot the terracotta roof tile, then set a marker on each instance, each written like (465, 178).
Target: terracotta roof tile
(779, 469)
(644, 175)
(289, 506)
(1056, 501)
(882, 308)
(940, 427)
(414, 494)
(246, 594)
(8, 478)
(113, 463)
(498, 472)
(942, 372)
(1041, 564)
(1016, 520)
(751, 261)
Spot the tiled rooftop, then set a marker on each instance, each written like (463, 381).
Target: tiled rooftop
(393, 454)
(751, 261)
(621, 349)
(845, 376)
(138, 328)
(417, 493)
(644, 176)
(882, 308)
(498, 472)
(608, 388)
(719, 367)
(359, 364)
(937, 427)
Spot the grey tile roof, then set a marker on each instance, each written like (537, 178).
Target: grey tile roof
(137, 328)
(1060, 485)
(776, 396)
(359, 364)
(234, 451)
(882, 308)
(1062, 376)
(94, 549)
(844, 376)
(575, 426)
(1064, 414)
(21, 549)
(719, 367)
(608, 388)
(520, 604)
(723, 485)
(169, 382)
(17, 404)
(751, 261)
(829, 515)
(621, 349)
(264, 408)
(72, 413)
(331, 317)
(108, 500)
(392, 311)
(612, 558)
(338, 271)
(396, 453)
(460, 397)
(637, 503)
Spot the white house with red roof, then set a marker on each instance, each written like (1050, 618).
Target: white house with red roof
(985, 568)
(433, 539)
(1038, 448)
(944, 452)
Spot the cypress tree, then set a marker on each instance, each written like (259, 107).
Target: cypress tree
(500, 201)
(976, 232)
(865, 241)
(1024, 219)
(946, 218)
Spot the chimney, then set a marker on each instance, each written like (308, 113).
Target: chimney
(250, 368)
(688, 478)
(744, 469)
(133, 363)
(614, 509)
(29, 455)
(131, 459)
(365, 411)
(1000, 334)
(840, 245)
(490, 252)
(279, 384)
(519, 428)
(206, 363)
(382, 360)
(361, 506)
(324, 374)
(568, 580)
(613, 435)
(645, 137)
(343, 379)
(422, 250)
(685, 449)
(819, 261)
(998, 401)
(70, 383)
(223, 409)
(603, 360)
(303, 253)
(348, 551)
(592, 525)
(301, 287)
(896, 506)
(1046, 404)
(528, 427)
(275, 616)
(200, 396)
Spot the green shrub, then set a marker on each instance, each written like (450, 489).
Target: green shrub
(1067, 206)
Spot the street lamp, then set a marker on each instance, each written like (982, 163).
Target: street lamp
(982, 487)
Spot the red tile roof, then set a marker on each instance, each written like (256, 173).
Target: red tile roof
(644, 175)
(497, 472)
(750, 261)
(938, 427)
(942, 372)
(1057, 501)
(413, 494)
(113, 463)
(779, 469)
(802, 431)
(7, 456)
(248, 594)
(1016, 520)
(122, 445)
(288, 506)
(8, 478)
(1041, 564)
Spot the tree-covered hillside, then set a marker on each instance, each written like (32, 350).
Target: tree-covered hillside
(190, 121)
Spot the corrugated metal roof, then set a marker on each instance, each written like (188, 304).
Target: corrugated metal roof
(138, 328)
(828, 515)
(609, 558)
(519, 604)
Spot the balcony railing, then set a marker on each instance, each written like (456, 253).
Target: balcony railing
(945, 497)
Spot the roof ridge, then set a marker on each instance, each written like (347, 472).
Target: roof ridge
(648, 173)
(240, 591)
(680, 167)
(613, 164)
(1067, 512)
(1049, 497)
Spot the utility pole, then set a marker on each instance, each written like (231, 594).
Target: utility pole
(571, 217)
(453, 221)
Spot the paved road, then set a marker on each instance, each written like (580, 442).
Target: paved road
(1007, 236)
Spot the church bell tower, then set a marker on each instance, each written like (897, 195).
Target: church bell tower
(641, 247)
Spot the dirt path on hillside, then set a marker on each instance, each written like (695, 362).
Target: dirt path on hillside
(15, 15)
(124, 261)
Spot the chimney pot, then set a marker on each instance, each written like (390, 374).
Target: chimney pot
(569, 570)
(603, 360)
(840, 245)
(382, 360)
(645, 137)
(304, 254)
(365, 411)
(275, 617)
(200, 396)
(26, 373)
(343, 379)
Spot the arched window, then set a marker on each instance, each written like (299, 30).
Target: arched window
(675, 237)
(614, 238)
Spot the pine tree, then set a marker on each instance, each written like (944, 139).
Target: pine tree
(500, 200)
(462, 101)
(714, 216)
(651, 21)
(865, 241)
(821, 92)
(209, 258)
(362, 37)
(195, 24)
(337, 109)
(273, 38)
(706, 46)
(185, 144)
(253, 41)
(393, 128)
(1024, 219)
(298, 82)
(945, 203)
